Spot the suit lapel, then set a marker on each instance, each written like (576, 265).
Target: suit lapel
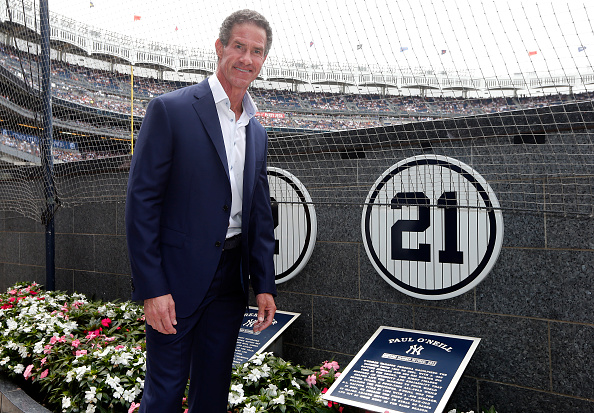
(207, 112)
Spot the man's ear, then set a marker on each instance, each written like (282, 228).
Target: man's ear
(219, 48)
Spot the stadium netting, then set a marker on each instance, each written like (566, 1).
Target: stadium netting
(349, 89)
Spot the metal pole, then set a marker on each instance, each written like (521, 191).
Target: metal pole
(47, 159)
(131, 110)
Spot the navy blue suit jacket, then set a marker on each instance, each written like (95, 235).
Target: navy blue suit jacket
(179, 200)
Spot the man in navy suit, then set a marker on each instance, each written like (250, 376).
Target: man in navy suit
(199, 224)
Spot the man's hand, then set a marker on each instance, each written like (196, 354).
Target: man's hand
(160, 313)
(266, 310)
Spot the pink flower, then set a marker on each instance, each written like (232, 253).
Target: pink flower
(43, 360)
(322, 371)
(337, 375)
(47, 349)
(12, 292)
(331, 365)
(28, 370)
(75, 343)
(53, 340)
(311, 380)
(106, 322)
(119, 347)
(43, 374)
(133, 407)
(80, 353)
(94, 333)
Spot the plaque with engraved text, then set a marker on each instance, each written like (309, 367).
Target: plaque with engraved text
(250, 343)
(404, 371)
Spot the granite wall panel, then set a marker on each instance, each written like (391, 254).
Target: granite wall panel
(111, 254)
(515, 399)
(572, 360)
(102, 286)
(95, 218)
(32, 248)
(344, 325)
(332, 270)
(512, 349)
(10, 247)
(75, 251)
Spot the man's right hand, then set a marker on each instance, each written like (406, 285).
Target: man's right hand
(160, 313)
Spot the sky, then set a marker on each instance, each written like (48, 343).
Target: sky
(485, 38)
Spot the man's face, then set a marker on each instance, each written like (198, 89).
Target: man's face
(241, 60)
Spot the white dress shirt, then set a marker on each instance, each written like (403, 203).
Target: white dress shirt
(234, 138)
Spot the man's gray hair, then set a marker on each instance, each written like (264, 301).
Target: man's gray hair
(245, 16)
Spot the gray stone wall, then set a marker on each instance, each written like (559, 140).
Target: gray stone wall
(534, 312)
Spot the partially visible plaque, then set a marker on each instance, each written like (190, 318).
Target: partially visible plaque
(249, 343)
(404, 371)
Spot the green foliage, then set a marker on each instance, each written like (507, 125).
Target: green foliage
(270, 384)
(83, 356)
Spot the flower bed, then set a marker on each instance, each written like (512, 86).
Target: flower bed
(89, 356)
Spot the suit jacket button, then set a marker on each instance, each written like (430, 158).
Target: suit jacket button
(226, 208)
(217, 244)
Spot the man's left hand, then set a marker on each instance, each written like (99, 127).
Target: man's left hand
(266, 310)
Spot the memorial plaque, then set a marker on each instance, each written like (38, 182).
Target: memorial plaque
(404, 371)
(249, 343)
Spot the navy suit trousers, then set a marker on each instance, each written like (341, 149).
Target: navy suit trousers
(202, 349)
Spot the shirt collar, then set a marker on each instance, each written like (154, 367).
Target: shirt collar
(219, 95)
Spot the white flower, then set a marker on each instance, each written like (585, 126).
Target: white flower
(66, 403)
(11, 324)
(235, 399)
(113, 382)
(90, 394)
(129, 396)
(271, 390)
(279, 400)
(254, 375)
(4, 361)
(19, 368)
(249, 409)
(118, 393)
(237, 388)
(38, 348)
(23, 351)
(294, 383)
(90, 408)
(121, 358)
(81, 371)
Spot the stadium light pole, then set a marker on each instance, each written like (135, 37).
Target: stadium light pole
(47, 159)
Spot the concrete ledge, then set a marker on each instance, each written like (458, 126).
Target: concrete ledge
(13, 399)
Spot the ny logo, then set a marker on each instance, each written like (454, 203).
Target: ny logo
(415, 350)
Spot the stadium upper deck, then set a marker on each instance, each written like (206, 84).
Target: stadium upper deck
(18, 18)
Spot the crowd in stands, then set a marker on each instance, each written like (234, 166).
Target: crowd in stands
(60, 155)
(19, 145)
(109, 91)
